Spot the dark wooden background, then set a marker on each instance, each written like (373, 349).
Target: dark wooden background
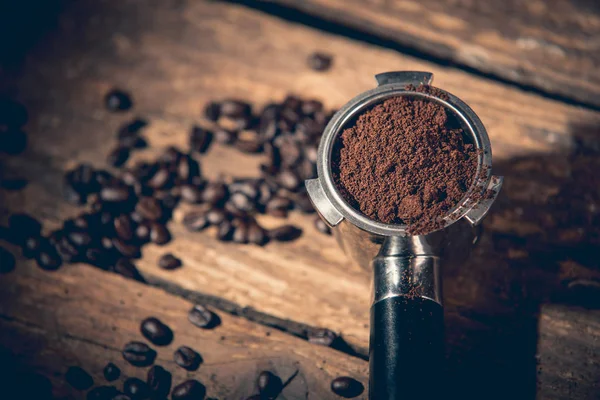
(516, 327)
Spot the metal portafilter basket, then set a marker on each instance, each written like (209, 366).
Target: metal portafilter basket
(406, 344)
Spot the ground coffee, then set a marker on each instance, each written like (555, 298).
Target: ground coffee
(404, 161)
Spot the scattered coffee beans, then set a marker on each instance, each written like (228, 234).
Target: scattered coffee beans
(159, 380)
(202, 317)
(139, 354)
(187, 358)
(102, 393)
(347, 387)
(319, 61)
(7, 261)
(156, 331)
(284, 233)
(79, 378)
(117, 100)
(189, 390)
(111, 372)
(169, 261)
(405, 161)
(136, 389)
(269, 385)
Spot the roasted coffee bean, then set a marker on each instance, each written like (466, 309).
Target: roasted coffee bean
(102, 393)
(195, 221)
(107, 243)
(159, 234)
(72, 196)
(189, 390)
(302, 202)
(160, 179)
(242, 202)
(168, 201)
(306, 169)
(240, 233)
(124, 227)
(278, 207)
(214, 193)
(13, 183)
(288, 180)
(111, 372)
(323, 337)
(65, 249)
(249, 146)
(79, 238)
(121, 396)
(284, 233)
(13, 141)
(268, 129)
(78, 378)
(289, 151)
(127, 250)
(215, 216)
(310, 107)
(187, 169)
(320, 61)
(13, 113)
(127, 269)
(114, 194)
(191, 194)
(243, 122)
(212, 111)
(159, 380)
(269, 385)
(255, 397)
(23, 226)
(136, 388)
(156, 331)
(322, 226)
(170, 156)
(48, 259)
(256, 234)
(233, 211)
(202, 317)
(118, 156)
(139, 354)
(149, 208)
(200, 139)
(7, 261)
(117, 100)
(346, 387)
(249, 187)
(224, 136)
(142, 232)
(187, 358)
(169, 261)
(235, 108)
(225, 231)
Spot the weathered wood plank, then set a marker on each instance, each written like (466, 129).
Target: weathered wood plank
(83, 316)
(548, 45)
(178, 55)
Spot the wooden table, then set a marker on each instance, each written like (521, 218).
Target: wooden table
(510, 331)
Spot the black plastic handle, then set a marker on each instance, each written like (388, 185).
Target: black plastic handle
(406, 349)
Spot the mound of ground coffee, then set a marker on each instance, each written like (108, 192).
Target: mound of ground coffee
(404, 161)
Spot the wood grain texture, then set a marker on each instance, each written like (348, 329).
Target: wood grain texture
(175, 56)
(548, 45)
(83, 316)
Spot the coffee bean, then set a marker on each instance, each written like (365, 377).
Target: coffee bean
(243, 122)
(187, 169)
(289, 151)
(160, 179)
(115, 194)
(13, 113)
(302, 202)
(242, 202)
(127, 250)
(187, 358)
(111, 372)
(169, 261)
(48, 259)
(256, 234)
(214, 193)
(117, 100)
(322, 226)
(127, 269)
(225, 231)
(200, 139)
(215, 216)
(240, 233)
(212, 111)
(118, 156)
(249, 146)
(65, 249)
(189, 390)
(288, 180)
(7, 261)
(23, 226)
(320, 61)
(139, 354)
(12, 183)
(79, 378)
(156, 331)
(102, 393)
(224, 136)
(159, 234)
(310, 107)
(159, 380)
(123, 227)
(284, 233)
(195, 221)
(202, 317)
(142, 232)
(346, 387)
(149, 208)
(323, 337)
(136, 389)
(121, 396)
(269, 385)
(278, 206)
(79, 238)
(13, 141)
(235, 108)
(191, 194)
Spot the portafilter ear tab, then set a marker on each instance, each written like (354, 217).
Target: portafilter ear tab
(406, 345)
